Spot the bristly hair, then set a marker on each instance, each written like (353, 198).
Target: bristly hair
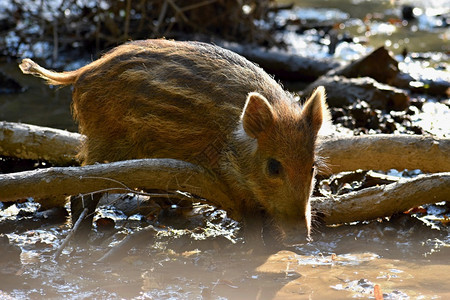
(320, 162)
(315, 223)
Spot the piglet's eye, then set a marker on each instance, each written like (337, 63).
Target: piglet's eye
(274, 167)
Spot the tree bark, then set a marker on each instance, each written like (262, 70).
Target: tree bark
(35, 142)
(167, 174)
(385, 152)
(342, 153)
(163, 174)
(384, 201)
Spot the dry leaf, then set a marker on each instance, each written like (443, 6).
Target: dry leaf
(377, 292)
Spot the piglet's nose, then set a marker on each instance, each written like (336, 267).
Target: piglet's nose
(294, 235)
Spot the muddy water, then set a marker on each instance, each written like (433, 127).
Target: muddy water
(404, 257)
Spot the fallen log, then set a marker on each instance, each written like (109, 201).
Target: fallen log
(35, 142)
(167, 174)
(385, 152)
(342, 153)
(384, 201)
(163, 174)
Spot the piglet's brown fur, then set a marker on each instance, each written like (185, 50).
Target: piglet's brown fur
(206, 105)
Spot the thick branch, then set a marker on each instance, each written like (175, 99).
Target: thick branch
(167, 174)
(164, 174)
(384, 201)
(368, 152)
(35, 142)
(384, 152)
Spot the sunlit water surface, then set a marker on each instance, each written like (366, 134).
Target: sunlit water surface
(404, 257)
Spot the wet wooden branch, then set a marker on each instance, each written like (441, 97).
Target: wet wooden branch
(384, 201)
(168, 174)
(162, 174)
(368, 152)
(387, 151)
(379, 201)
(71, 234)
(178, 11)
(127, 21)
(379, 65)
(35, 142)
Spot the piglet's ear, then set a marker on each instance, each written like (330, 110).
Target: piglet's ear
(257, 116)
(315, 109)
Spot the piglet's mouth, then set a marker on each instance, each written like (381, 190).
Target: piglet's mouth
(292, 235)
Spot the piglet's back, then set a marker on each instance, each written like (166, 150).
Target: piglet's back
(158, 98)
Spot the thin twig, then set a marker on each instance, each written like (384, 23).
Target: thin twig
(178, 11)
(127, 20)
(71, 233)
(125, 188)
(161, 17)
